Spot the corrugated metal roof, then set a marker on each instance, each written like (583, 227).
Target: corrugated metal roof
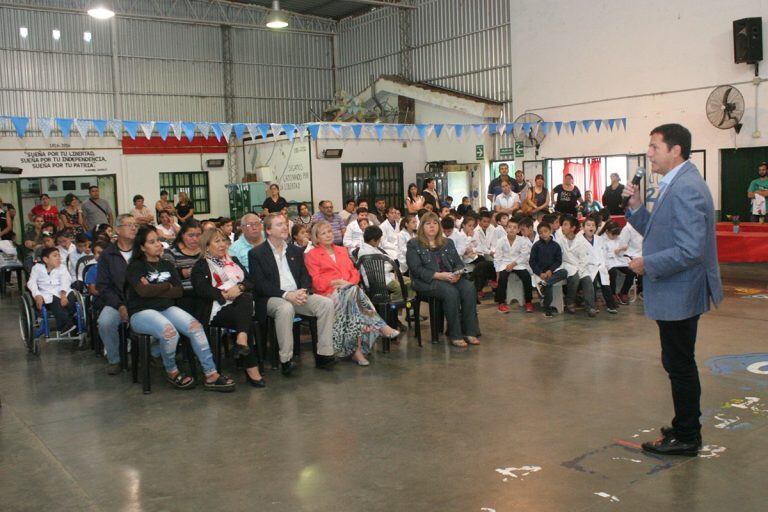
(335, 9)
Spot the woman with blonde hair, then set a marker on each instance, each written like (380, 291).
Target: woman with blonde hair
(184, 209)
(223, 284)
(356, 324)
(436, 270)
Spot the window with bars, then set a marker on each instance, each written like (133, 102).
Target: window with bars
(369, 181)
(195, 184)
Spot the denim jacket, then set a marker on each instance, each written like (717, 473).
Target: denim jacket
(422, 263)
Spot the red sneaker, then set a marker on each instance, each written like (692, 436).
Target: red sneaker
(494, 284)
(503, 308)
(528, 307)
(623, 299)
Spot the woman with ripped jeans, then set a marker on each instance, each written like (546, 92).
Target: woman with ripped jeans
(153, 285)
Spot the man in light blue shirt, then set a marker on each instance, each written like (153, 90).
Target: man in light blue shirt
(252, 235)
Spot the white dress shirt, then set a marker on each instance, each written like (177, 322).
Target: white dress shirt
(41, 282)
(389, 238)
(402, 241)
(484, 240)
(287, 282)
(507, 202)
(633, 240)
(353, 236)
(518, 252)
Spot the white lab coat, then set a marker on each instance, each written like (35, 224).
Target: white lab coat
(353, 236)
(389, 238)
(518, 252)
(576, 255)
(613, 260)
(49, 285)
(597, 265)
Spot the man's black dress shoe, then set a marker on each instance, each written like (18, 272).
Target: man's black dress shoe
(325, 362)
(287, 367)
(667, 431)
(671, 446)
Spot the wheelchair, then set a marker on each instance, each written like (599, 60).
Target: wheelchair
(37, 326)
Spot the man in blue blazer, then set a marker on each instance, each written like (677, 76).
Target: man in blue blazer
(682, 276)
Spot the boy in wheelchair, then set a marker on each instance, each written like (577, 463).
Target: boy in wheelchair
(50, 285)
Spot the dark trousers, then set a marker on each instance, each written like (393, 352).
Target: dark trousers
(459, 306)
(523, 275)
(65, 316)
(606, 291)
(239, 317)
(678, 341)
(629, 279)
(587, 289)
(757, 218)
(557, 276)
(482, 273)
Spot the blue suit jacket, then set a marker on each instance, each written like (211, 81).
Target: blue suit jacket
(680, 249)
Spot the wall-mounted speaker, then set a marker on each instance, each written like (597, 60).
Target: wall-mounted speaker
(748, 40)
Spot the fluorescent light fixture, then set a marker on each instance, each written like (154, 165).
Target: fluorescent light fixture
(87, 37)
(56, 34)
(276, 19)
(100, 12)
(23, 32)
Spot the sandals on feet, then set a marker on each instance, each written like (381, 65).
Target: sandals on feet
(181, 381)
(222, 384)
(459, 343)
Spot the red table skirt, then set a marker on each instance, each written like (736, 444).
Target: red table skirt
(742, 247)
(744, 227)
(619, 219)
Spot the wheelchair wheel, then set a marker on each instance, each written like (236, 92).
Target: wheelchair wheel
(27, 324)
(81, 319)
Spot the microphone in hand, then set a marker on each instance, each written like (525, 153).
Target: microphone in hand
(635, 184)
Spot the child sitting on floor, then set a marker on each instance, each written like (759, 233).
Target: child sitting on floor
(49, 282)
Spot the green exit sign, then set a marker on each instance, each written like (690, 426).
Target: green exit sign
(479, 152)
(507, 152)
(519, 150)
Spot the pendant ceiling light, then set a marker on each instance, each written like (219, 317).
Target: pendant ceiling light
(100, 12)
(276, 18)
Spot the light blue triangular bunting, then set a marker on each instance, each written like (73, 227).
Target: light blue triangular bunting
(598, 124)
(544, 127)
(624, 123)
(117, 128)
(226, 130)
(132, 127)
(478, 129)
(65, 125)
(357, 129)
(20, 125)
(216, 131)
(458, 129)
(586, 124)
(438, 129)
(239, 130)
(558, 126)
(400, 130)
(264, 130)
(422, 129)
(163, 128)
(611, 123)
(314, 130)
(526, 129)
(204, 129)
(289, 130)
(573, 125)
(189, 130)
(379, 128)
(100, 125)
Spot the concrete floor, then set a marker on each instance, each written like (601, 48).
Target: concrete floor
(435, 428)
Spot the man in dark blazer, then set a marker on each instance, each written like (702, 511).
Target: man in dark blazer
(282, 288)
(682, 276)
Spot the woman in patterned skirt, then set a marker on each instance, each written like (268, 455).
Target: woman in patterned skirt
(356, 325)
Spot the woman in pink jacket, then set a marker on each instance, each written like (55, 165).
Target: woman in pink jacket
(356, 324)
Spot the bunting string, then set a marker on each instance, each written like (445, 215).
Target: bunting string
(63, 126)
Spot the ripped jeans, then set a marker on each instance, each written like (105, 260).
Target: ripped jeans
(165, 327)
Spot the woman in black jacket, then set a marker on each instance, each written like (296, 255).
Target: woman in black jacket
(224, 288)
(437, 270)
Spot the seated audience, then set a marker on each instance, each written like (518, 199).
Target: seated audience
(349, 209)
(48, 210)
(353, 236)
(546, 262)
(390, 230)
(511, 257)
(372, 238)
(227, 226)
(356, 323)
(338, 225)
(90, 272)
(50, 284)
(508, 201)
(184, 254)
(589, 206)
(167, 229)
(408, 226)
(465, 207)
(380, 210)
(300, 236)
(82, 248)
(537, 200)
(222, 282)
(110, 283)
(71, 216)
(164, 205)
(282, 288)
(251, 235)
(598, 270)
(617, 261)
(484, 237)
(65, 245)
(436, 271)
(576, 263)
(140, 211)
(153, 285)
(304, 218)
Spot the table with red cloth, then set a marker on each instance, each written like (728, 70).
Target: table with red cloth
(743, 247)
(744, 227)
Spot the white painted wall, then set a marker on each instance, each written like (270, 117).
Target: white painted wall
(326, 172)
(653, 62)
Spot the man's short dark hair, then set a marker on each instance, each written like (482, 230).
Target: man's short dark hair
(486, 215)
(372, 233)
(448, 222)
(163, 193)
(350, 200)
(762, 164)
(361, 210)
(81, 239)
(93, 187)
(549, 219)
(675, 135)
(380, 199)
